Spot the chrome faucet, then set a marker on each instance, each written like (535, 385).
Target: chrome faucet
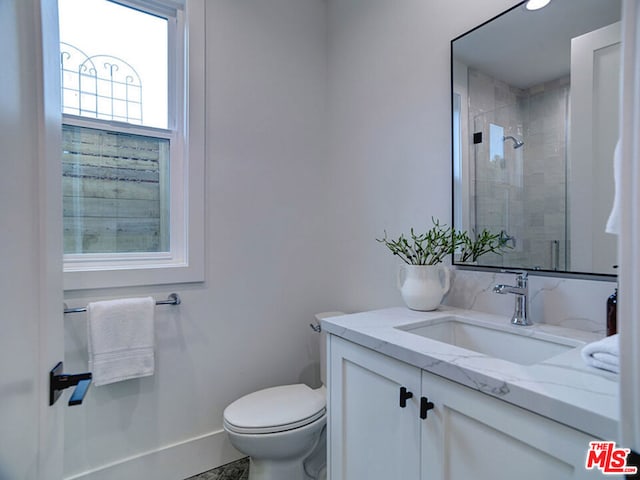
(521, 291)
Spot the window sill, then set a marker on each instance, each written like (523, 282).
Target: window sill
(132, 275)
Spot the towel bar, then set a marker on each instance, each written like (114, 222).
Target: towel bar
(172, 299)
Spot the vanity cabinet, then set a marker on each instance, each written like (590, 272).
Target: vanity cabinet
(466, 433)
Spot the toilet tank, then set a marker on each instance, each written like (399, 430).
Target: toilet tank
(323, 345)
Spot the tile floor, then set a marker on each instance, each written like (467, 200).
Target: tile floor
(238, 470)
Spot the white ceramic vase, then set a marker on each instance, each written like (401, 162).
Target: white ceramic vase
(423, 286)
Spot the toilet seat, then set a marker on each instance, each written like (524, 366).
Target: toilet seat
(275, 409)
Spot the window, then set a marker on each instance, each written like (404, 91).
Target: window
(115, 192)
(457, 160)
(132, 171)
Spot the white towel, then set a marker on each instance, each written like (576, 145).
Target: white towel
(613, 224)
(603, 354)
(120, 339)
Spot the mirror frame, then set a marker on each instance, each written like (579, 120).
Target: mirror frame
(489, 268)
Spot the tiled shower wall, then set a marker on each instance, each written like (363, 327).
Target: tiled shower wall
(544, 111)
(522, 193)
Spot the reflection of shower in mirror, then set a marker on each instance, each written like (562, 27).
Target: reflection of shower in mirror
(516, 143)
(553, 196)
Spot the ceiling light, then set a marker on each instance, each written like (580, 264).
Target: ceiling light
(536, 4)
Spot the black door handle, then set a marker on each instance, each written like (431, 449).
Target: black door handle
(425, 406)
(404, 396)
(58, 381)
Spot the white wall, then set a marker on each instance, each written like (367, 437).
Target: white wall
(246, 327)
(390, 163)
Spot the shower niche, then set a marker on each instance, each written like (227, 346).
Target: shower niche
(526, 164)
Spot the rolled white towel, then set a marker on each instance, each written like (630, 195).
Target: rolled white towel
(603, 354)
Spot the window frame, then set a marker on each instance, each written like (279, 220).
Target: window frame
(185, 260)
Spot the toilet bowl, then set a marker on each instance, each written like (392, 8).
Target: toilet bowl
(279, 428)
(282, 429)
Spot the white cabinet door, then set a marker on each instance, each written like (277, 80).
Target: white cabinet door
(370, 436)
(469, 434)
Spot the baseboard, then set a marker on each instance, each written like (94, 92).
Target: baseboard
(172, 462)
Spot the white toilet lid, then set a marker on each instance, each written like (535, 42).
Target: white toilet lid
(276, 409)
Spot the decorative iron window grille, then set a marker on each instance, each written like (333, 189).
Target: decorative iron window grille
(99, 86)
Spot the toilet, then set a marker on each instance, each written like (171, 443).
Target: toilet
(283, 429)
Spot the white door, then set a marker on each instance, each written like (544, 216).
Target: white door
(31, 335)
(594, 93)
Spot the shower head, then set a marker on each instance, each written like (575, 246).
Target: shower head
(516, 143)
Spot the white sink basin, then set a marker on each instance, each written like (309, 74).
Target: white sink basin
(525, 347)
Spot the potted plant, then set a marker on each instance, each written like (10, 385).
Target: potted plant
(423, 279)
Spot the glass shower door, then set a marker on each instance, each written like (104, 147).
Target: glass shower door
(498, 182)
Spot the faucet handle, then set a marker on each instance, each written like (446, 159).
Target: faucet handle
(522, 277)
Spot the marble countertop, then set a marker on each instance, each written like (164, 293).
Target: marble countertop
(562, 387)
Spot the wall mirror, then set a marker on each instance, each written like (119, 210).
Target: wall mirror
(535, 124)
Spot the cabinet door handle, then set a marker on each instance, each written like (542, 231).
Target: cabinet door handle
(404, 396)
(425, 406)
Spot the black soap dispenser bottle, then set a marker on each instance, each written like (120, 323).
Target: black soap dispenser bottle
(612, 314)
